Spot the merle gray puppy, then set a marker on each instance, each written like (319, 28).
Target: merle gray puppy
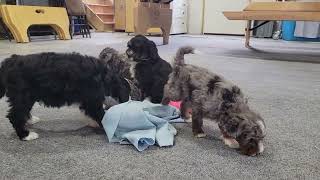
(121, 65)
(211, 96)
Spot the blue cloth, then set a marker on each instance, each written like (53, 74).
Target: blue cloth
(141, 124)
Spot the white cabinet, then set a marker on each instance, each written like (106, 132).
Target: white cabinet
(179, 16)
(195, 16)
(216, 23)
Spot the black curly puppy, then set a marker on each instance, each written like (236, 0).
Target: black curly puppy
(55, 80)
(151, 72)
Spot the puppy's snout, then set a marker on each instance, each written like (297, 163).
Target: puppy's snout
(253, 151)
(165, 101)
(129, 52)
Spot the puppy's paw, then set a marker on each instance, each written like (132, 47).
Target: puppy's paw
(261, 147)
(232, 143)
(147, 99)
(31, 136)
(188, 120)
(221, 137)
(187, 117)
(93, 124)
(200, 135)
(33, 120)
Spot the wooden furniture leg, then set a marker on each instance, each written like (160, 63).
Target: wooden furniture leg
(6, 30)
(247, 34)
(165, 34)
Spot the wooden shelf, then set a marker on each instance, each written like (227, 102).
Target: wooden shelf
(272, 15)
(108, 22)
(102, 5)
(106, 14)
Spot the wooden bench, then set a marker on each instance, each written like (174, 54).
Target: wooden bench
(275, 11)
(153, 15)
(19, 18)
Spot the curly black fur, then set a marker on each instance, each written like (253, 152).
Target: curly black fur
(55, 80)
(2, 88)
(151, 72)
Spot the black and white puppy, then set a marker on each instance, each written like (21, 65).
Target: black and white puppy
(55, 80)
(150, 71)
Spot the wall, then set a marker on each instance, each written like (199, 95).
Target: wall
(205, 16)
(198, 25)
(195, 16)
(216, 23)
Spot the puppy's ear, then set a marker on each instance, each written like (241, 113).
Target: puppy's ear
(129, 44)
(229, 125)
(152, 49)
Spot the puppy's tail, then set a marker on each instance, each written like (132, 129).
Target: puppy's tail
(179, 58)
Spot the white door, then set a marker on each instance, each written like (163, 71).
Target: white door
(216, 23)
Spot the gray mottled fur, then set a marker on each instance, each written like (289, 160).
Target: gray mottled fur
(121, 64)
(212, 96)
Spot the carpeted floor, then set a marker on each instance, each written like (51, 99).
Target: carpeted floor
(285, 92)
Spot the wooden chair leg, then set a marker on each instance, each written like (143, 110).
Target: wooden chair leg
(88, 29)
(166, 35)
(81, 26)
(70, 27)
(87, 26)
(247, 34)
(84, 26)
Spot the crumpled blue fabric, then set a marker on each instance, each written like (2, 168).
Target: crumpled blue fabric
(141, 124)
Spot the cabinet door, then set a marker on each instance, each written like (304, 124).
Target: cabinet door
(179, 26)
(179, 4)
(216, 23)
(179, 12)
(120, 14)
(179, 16)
